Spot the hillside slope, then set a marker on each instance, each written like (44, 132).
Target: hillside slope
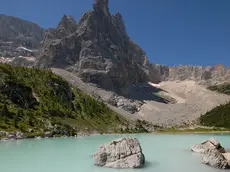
(167, 104)
(191, 101)
(220, 115)
(40, 101)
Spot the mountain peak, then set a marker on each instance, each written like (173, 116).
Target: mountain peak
(101, 5)
(67, 25)
(99, 51)
(67, 21)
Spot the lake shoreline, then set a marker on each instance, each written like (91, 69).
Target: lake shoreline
(194, 130)
(158, 131)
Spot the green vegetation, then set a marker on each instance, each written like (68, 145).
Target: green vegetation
(217, 117)
(40, 101)
(193, 130)
(222, 88)
(220, 115)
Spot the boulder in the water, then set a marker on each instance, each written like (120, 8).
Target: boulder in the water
(209, 144)
(120, 153)
(215, 158)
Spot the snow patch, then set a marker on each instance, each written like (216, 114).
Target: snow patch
(6, 60)
(24, 48)
(154, 85)
(28, 58)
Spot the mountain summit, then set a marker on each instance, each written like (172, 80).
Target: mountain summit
(98, 49)
(101, 5)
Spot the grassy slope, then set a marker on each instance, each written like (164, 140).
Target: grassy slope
(193, 130)
(219, 116)
(37, 99)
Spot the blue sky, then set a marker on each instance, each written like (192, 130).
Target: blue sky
(172, 32)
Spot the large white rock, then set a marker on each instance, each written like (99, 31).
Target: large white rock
(120, 153)
(209, 144)
(215, 159)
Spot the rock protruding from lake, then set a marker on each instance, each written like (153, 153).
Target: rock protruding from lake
(215, 159)
(120, 153)
(210, 144)
(213, 154)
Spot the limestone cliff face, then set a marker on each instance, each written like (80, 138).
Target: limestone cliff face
(19, 37)
(207, 75)
(98, 49)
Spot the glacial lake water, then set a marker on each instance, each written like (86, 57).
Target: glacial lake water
(163, 152)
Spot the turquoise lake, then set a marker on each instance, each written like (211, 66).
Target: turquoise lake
(163, 152)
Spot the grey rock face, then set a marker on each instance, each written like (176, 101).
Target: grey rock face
(210, 144)
(215, 159)
(48, 134)
(127, 104)
(22, 61)
(13, 135)
(208, 75)
(20, 135)
(101, 6)
(120, 153)
(99, 51)
(19, 37)
(66, 26)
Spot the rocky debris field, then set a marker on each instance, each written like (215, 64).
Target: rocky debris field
(167, 104)
(192, 100)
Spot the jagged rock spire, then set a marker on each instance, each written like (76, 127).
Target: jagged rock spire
(63, 21)
(119, 23)
(101, 5)
(67, 22)
(99, 51)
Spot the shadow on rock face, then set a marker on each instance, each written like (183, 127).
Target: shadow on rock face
(146, 91)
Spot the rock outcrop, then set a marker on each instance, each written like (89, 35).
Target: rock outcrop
(213, 154)
(12, 135)
(208, 75)
(120, 153)
(97, 49)
(66, 27)
(19, 37)
(215, 159)
(210, 144)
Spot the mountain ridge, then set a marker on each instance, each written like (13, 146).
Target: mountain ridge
(16, 32)
(207, 75)
(160, 72)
